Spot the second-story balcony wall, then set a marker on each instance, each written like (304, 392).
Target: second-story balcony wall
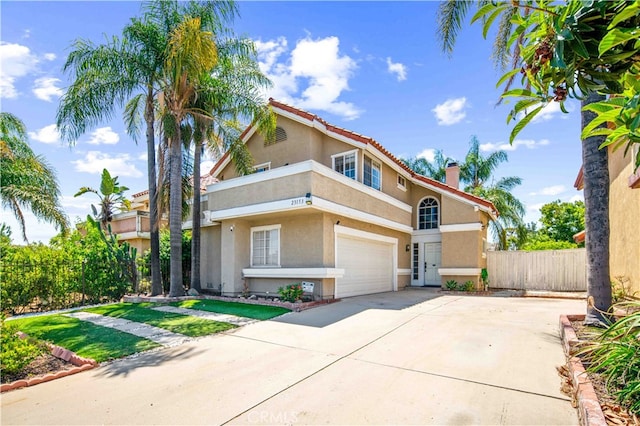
(132, 222)
(304, 185)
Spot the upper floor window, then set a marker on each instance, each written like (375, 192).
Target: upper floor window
(402, 182)
(428, 216)
(372, 173)
(265, 246)
(280, 136)
(262, 167)
(345, 164)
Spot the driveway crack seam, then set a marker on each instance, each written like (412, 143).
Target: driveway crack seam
(444, 376)
(319, 370)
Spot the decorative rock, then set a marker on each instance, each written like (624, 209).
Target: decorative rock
(253, 297)
(193, 292)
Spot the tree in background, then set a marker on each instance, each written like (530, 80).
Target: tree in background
(26, 180)
(561, 221)
(111, 196)
(582, 50)
(477, 172)
(436, 170)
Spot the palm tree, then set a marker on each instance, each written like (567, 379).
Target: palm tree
(192, 53)
(596, 173)
(26, 180)
(106, 76)
(477, 172)
(436, 170)
(231, 94)
(111, 196)
(596, 200)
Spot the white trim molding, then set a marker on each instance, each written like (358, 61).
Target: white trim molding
(404, 271)
(343, 230)
(461, 227)
(459, 271)
(293, 272)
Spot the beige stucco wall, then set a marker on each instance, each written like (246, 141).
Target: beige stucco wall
(460, 249)
(454, 211)
(624, 214)
(210, 257)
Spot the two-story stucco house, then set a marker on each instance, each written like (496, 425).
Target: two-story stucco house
(334, 208)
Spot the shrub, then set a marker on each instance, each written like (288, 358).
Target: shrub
(468, 286)
(290, 293)
(452, 285)
(16, 353)
(614, 354)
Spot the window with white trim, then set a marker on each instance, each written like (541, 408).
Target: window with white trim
(346, 164)
(265, 246)
(262, 167)
(428, 215)
(372, 173)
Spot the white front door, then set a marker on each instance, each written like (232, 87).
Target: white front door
(432, 255)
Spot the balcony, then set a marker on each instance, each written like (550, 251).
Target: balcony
(305, 185)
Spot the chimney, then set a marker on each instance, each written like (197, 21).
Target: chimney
(453, 175)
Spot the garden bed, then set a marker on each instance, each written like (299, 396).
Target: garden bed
(59, 362)
(595, 405)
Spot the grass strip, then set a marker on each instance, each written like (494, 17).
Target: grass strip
(176, 323)
(259, 312)
(84, 338)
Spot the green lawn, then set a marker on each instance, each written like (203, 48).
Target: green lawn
(259, 312)
(84, 338)
(176, 323)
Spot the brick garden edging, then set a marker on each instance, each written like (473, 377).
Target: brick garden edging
(296, 307)
(79, 364)
(589, 410)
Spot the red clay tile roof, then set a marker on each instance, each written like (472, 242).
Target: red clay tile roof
(368, 141)
(579, 183)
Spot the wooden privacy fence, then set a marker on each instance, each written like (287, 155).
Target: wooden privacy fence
(553, 270)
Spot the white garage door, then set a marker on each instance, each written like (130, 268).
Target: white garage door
(368, 266)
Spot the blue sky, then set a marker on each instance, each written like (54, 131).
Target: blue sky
(372, 67)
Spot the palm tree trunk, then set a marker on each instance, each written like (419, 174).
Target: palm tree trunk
(154, 231)
(195, 230)
(176, 287)
(596, 199)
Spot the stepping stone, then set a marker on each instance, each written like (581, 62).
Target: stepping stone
(155, 334)
(213, 316)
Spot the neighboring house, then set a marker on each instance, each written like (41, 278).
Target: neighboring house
(624, 211)
(334, 208)
(133, 226)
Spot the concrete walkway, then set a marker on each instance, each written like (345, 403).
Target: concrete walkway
(411, 357)
(155, 334)
(232, 319)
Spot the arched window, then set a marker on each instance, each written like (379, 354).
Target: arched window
(428, 215)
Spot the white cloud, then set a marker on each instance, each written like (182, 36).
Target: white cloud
(577, 197)
(551, 190)
(451, 111)
(117, 164)
(535, 207)
(549, 112)
(15, 61)
(527, 143)
(143, 157)
(314, 67)
(428, 154)
(45, 88)
(48, 134)
(397, 68)
(103, 136)
(50, 56)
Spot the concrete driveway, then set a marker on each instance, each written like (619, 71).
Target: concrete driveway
(411, 357)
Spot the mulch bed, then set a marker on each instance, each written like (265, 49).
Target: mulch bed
(615, 415)
(40, 366)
